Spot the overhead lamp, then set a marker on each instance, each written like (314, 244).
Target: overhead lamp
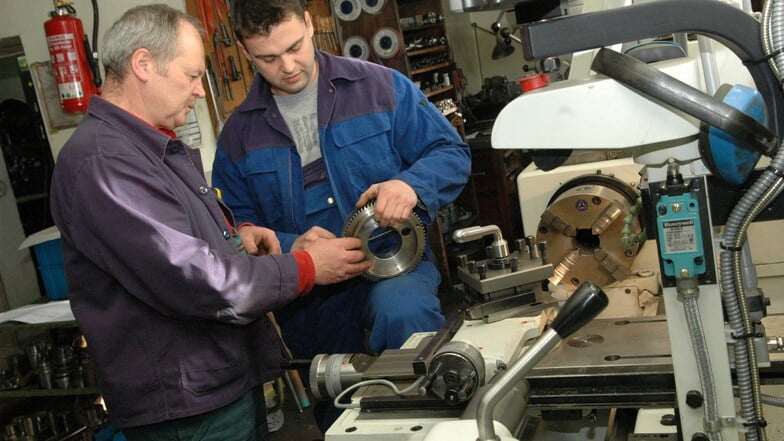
(503, 38)
(503, 45)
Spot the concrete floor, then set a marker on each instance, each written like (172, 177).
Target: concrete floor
(297, 426)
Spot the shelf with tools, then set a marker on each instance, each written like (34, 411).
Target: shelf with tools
(37, 392)
(428, 53)
(430, 68)
(229, 74)
(416, 28)
(325, 33)
(52, 368)
(440, 91)
(427, 50)
(409, 36)
(48, 364)
(449, 111)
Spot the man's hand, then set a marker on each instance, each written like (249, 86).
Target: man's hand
(394, 201)
(259, 241)
(337, 259)
(310, 237)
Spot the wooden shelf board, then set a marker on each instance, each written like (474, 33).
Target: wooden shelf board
(28, 393)
(420, 28)
(439, 91)
(430, 68)
(427, 50)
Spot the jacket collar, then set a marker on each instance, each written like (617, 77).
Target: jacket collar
(152, 138)
(331, 68)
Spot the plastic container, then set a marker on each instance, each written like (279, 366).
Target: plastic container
(50, 266)
(532, 82)
(48, 252)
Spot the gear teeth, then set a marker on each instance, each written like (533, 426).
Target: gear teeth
(362, 214)
(348, 227)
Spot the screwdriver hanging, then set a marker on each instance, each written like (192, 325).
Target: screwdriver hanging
(227, 41)
(234, 72)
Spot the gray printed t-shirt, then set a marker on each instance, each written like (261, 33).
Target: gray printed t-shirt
(299, 112)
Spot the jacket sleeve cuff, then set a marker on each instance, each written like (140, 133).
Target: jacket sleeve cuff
(244, 224)
(307, 272)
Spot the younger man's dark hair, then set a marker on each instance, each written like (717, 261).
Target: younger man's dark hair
(249, 17)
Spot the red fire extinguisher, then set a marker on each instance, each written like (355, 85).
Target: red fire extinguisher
(74, 65)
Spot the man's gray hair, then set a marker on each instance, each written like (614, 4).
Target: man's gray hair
(153, 27)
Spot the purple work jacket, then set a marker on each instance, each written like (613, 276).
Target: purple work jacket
(175, 318)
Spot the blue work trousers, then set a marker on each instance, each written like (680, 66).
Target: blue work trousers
(334, 319)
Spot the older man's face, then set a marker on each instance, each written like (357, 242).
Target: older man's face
(176, 86)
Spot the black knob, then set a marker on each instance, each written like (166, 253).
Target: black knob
(581, 307)
(296, 363)
(694, 399)
(482, 270)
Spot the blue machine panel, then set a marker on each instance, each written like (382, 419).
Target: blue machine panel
(680, 236)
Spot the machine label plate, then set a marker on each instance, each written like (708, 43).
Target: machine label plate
(680, 236)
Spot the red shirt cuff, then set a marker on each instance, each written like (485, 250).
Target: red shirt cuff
(307, 272)
(244, 224)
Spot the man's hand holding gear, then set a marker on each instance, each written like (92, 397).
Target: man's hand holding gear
(394, 250)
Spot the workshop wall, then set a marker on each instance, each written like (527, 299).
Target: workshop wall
(26, 19)
(472, 58)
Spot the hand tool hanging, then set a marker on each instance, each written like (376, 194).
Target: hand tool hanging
(214, 16)
(215, 96)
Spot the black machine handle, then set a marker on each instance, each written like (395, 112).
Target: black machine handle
(651, 82)
(581, 307)
(727, 24)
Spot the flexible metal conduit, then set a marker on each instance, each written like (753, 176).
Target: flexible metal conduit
(733, 293)
(767, 187)
(688, 292)
(762, 192)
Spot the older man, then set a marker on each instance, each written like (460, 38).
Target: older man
(174, 315)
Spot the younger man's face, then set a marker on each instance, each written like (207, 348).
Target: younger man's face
(286, 57)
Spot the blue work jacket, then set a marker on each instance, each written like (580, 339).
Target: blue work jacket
(374, 125)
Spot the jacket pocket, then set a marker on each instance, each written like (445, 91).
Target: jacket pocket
(202, 375)
(365, 148)
(262, 174)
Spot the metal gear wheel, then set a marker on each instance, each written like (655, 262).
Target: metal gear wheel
(394, 250)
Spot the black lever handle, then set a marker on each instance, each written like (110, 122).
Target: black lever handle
(296, 363)
(581, 307)
(651, 82)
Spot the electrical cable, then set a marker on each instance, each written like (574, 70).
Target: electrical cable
(380, 382)
(97, 80)
(95, 26)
